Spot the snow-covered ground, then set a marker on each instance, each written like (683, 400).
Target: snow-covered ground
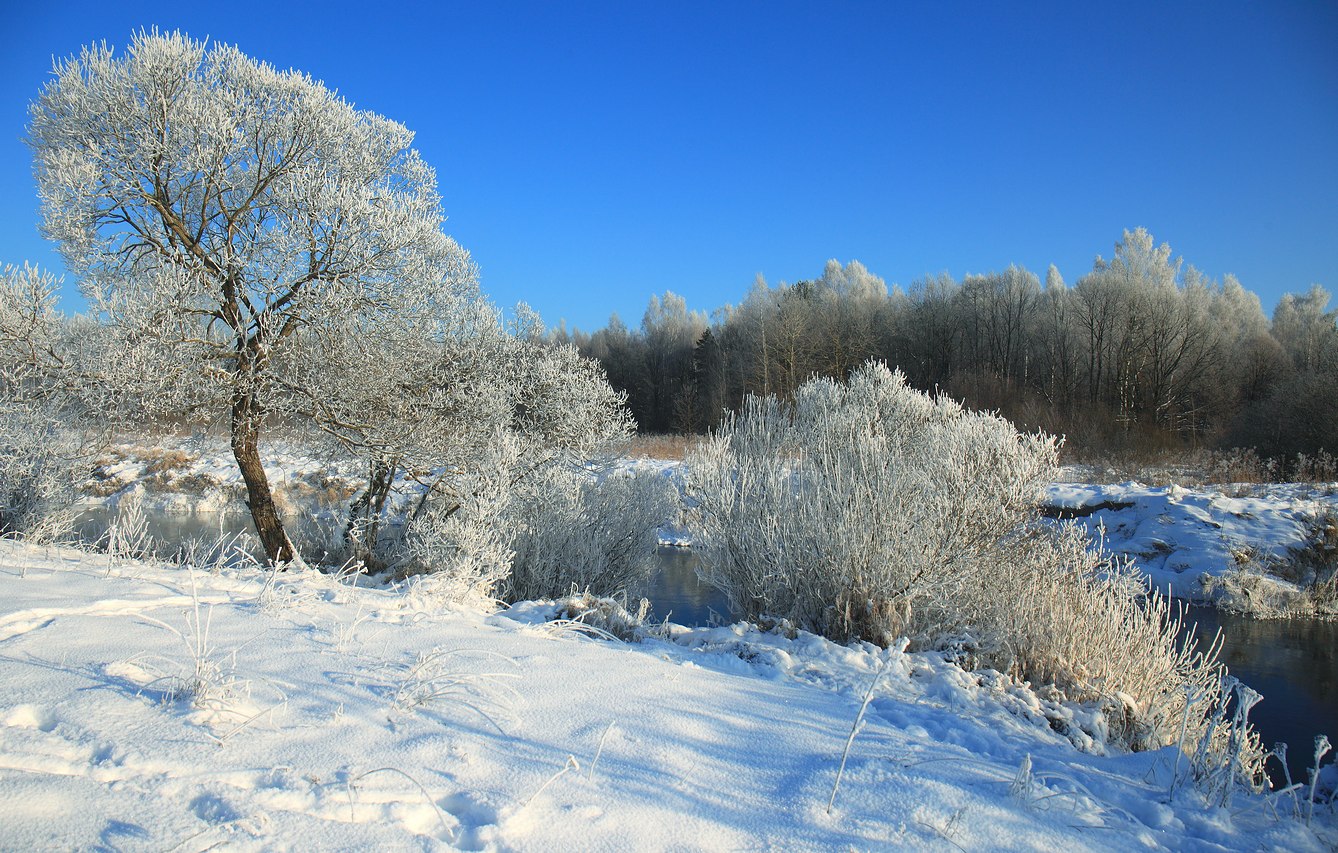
(1225, 545)
(151, 707)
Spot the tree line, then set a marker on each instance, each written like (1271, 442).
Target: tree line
(1142, 351)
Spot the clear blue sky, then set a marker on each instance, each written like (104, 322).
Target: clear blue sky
(591, 155)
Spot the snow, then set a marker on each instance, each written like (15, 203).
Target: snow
(149, 706)
(1177, 536)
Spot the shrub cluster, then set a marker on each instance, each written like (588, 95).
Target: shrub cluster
(41, 465)
(861, 510)
(869, 510)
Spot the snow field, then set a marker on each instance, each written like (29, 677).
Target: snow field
(150, 707)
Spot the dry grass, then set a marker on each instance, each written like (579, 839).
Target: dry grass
(673, 447)
(164, 463)
(1183, 467)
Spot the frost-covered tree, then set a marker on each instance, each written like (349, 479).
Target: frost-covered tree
(30, 345)
(1299, 411)
(936, 330)
(669, 332)
(215, 208)
(1056, 342)
(1306, 330)
(997, 311)
(846, 321)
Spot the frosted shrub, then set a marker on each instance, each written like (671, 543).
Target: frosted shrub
(1067, 615)
(1060, 613)
(41, 459)
(573, 529)
(457, 540)
(523, 522)
(872, 511)
(40, 467)
(860, 510)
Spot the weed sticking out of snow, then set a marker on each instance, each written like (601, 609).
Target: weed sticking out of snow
(599, 750)
(210, 679)
(1322, 748)
(571, 764)
(1023, 786)
(205, 679)
(227, 550)
(287, 588)
(1228, 756)
(440, 678)
(854, 729)
(603, 617)
(127, 536)
(447, 832)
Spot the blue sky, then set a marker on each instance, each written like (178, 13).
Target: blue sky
(590, 155)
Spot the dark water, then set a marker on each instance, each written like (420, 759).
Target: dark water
(1294, 664)
(166, 532)
(167, 535)
(678, 595)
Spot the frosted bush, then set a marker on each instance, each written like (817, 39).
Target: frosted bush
(40, 455)
(523, 523)
(1061, 613)
(573, 529)
(456, 539)
(860, 510)
(41, 465)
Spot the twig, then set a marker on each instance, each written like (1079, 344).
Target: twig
(868, 697)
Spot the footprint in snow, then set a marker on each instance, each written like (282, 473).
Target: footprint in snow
(477, 820)
(212, 808)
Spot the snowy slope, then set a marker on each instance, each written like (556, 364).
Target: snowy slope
(147, 707)
(1177, 536)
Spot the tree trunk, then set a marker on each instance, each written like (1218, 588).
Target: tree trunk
(365, 512)
(259, 498)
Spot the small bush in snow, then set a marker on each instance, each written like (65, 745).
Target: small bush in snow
(600, 616)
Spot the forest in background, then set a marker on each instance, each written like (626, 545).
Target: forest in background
(1144, 352)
